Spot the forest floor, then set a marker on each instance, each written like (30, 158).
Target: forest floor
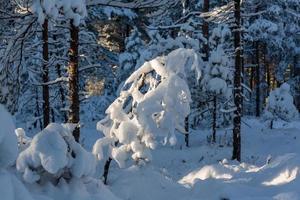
(269, 169)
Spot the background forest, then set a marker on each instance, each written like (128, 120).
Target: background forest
(97, 86)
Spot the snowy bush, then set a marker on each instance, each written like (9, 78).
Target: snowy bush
(280, 105)
(54, 153)
(153, 104)
(8, 140)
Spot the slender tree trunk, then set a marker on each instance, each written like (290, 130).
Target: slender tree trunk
(46, 104)
(257, 79)
(214, 125)
(242, 66)
(186, 136)
(74, 80)
(106, 170)
(236, 154)
(37, 113)
(268, 76)
(205, 31)
(61, 89)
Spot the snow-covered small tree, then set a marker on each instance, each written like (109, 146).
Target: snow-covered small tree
(217, 82)
(280, 105)
(127, 60)
(52, 154)
(153, 104)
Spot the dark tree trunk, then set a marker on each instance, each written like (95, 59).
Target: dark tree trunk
(242, 66)
(214, 123)
(186, 136)
(106, 170)
(46, 104)
(236, 154)
(74, 80)
(257, 79)
(205, 31)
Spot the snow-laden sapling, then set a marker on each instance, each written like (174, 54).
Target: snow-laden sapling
(53, 154)
(280, 105)
(152, 105)
(217, 82)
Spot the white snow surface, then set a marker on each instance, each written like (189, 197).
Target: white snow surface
(269, 169)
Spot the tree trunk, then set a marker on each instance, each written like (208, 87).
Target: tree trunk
(242, 66)
(214, 125)
(46, 104)
(205, 31)
(106, 170)
(186, 136)
(74, 80)
(236, 154)
(257, 80)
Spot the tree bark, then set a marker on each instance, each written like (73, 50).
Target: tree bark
(186, 136)
(236, 154)
(74, 80)
(205, 31)
(257, 79)
(214, 125)
(46, 104)
(106, 170)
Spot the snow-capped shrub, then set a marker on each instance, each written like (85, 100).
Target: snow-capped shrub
(54, 153)
(280, 105)
(153, 104)
(8, 140)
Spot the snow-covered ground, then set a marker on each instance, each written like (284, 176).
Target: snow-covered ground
(269, 170)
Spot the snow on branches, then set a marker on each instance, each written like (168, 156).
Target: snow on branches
(54, 153)
(153, 104)
(218, 77)
(72, 9)
(280, 105)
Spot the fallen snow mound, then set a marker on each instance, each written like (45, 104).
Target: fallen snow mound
(55, 151)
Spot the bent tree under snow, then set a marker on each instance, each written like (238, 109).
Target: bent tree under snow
(152, 105)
